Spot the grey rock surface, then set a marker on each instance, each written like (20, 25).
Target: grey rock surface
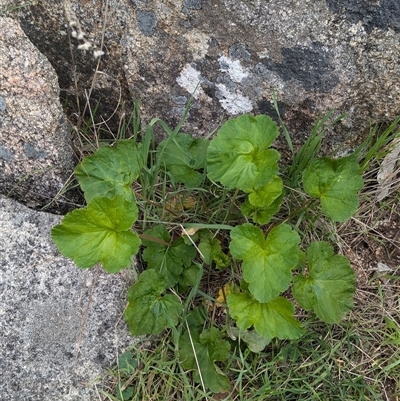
(316, 55)
(36, 157)
(60, 327)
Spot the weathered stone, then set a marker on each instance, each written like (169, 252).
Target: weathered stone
(36, 156)
(316, 55)
(61, 327)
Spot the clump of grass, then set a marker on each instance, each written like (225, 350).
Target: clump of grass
(356, 360)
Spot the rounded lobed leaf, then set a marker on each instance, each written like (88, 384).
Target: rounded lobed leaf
(336, 183)
(261, 215)
(170, 260)
(182, 157)
(329, 286)
(271, 319)
(148, 312)
(209, 347)
(267, 263)
(238, 156)
(266, 195)
(110, 171)
(99, 233)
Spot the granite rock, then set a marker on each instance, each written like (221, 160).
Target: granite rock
(36, 157)
(316, 55)
(60, 327)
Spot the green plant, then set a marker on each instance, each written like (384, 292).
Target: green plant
(178, 201)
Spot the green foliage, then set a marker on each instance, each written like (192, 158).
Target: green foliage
(212, 251)
(267, 263)
(200, 351)
(110, 171)
(336, 183)
(238, 156)
(195, 199)
(99, 233)
(148, 310)
(169, 260)
(271, 319)
(183, 157)
(261, 215)
(328, 287)
(265, 196)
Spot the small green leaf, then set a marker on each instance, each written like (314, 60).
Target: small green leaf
(261, 215)
(267, 194)
(336, 183)
(272, 319)
(110, 171)
(99, 233)
(167, 260)
(238, 156)
(267, 263)
(182, 156)
(329, 287)
(149, 312)
(212, 251)
(188, 278)
(196, 317)
(209, 347)
(124, 395)
(254, 341)
(126, 364)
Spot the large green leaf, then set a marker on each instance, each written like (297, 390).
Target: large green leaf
(271, 319)
(267, 263)
(209, 347)
(238, 156)
(110, 171)
(329, 286)
(148, 311)
(169, 260)
(182, 156)
(99, 233)
(336, 183)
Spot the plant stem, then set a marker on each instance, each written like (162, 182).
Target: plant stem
(299, 210)
(153, 239)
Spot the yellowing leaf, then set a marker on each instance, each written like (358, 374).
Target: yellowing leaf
(190, 231)
(179, 203)
(228, 288)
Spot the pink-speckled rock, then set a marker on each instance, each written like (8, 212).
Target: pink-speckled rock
(36, 157)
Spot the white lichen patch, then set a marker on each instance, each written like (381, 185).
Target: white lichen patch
(234, 102)
(233, 67)
(189, 79)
